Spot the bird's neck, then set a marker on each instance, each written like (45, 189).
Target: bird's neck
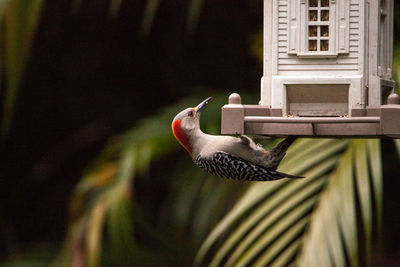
(198, 140)
(192, 141)
(181, 136)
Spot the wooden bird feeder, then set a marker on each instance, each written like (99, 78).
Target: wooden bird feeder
(327, 72)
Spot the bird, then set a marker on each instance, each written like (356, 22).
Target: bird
(238, 158)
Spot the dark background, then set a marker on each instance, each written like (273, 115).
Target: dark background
(91, 77)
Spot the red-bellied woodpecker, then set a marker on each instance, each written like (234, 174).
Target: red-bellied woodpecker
(227, 156)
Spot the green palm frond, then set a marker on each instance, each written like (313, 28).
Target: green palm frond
(103, 199)
(18, 20)
(396, 66)
(194, 13)
(397, 144)
(309, 222)
(149, 15)
(115, 6)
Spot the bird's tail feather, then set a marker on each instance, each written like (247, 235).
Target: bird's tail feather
(275, 175)
(278, 152)
(284, 145)
(285, 175)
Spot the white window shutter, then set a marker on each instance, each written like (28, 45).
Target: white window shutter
(294, 27)
(343, 18)
(303, 32)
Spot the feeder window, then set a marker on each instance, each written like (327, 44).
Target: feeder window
(318, 27)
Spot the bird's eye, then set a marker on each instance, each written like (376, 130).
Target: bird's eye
(190, 114)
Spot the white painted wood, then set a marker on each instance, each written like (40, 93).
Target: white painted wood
(360, 44)
(293, 28)
(350, 55)
(355, 53)
(343, 21)
(374, 84)
(266, 80)
(259, 119)
(275, 32)
(319, 61)
(303, 23)
(316, 72)
(318, 67)
(390, 39)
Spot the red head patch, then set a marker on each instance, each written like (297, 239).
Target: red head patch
(181, 136)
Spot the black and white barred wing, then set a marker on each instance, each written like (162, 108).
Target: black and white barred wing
(229, 166)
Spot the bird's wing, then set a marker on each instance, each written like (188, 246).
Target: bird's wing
(233, 167)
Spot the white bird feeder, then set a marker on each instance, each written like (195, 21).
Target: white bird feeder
(327, 72)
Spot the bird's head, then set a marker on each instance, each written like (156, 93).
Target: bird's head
(186, 123)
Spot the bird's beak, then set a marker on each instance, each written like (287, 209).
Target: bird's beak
(201, 106)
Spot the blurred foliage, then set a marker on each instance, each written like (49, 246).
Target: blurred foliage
(310, 222)
(141, 201)
(257, 48)
(18, 21)
(102, 198)
(396, 66)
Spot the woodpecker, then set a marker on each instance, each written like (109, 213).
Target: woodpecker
(231, 157)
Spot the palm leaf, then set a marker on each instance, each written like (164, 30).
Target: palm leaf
(397, 145)
(19, 20)
(104, 196)
(149, 14)
(309, 222)
(115, 6)
(396, 65)
(194, 13)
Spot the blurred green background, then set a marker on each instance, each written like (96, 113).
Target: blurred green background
(91, 174)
